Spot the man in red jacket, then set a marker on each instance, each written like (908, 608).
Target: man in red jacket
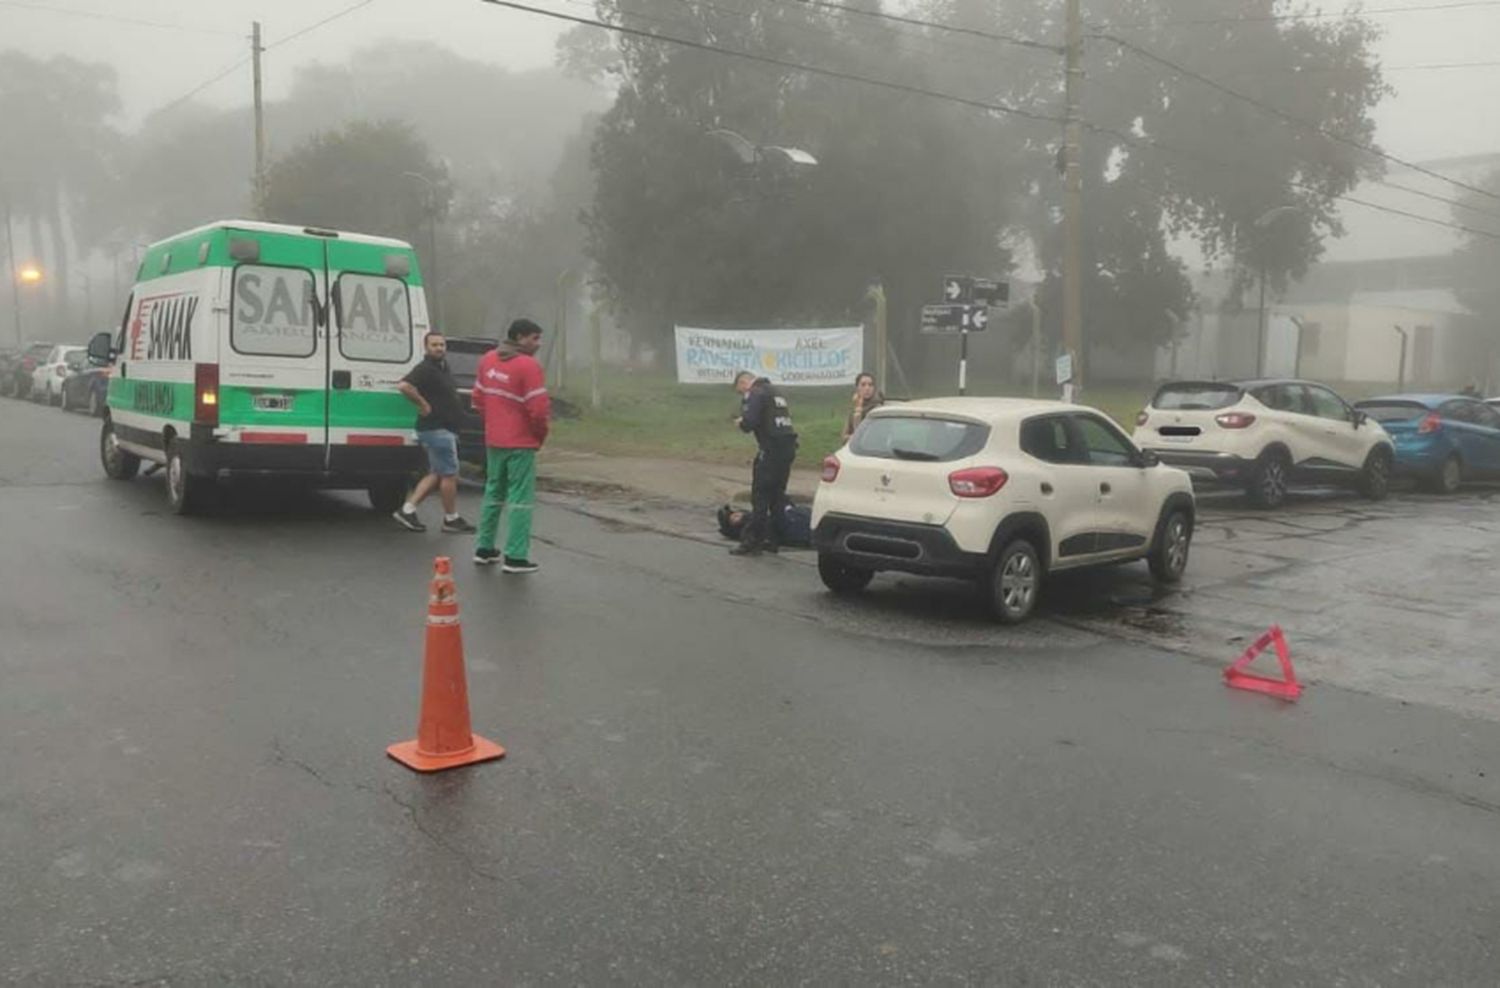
(511, 395)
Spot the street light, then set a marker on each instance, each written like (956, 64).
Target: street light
(30, 274)
(432, 251)
(1263, 222)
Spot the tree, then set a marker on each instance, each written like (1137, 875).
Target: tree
(56, 113)
(360, 178)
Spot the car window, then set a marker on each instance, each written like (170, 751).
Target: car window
(1393, 411)
(1460, 411)
(1104, 446)
(1325, 404)
(1281, 397)
(1195, 397)
(896, 437)
(1049, 440)
(1486, 416)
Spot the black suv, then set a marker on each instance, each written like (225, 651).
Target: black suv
(463, 363)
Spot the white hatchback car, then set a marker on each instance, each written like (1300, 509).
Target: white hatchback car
(47, 379)
(1264, 435)
(1000, 490)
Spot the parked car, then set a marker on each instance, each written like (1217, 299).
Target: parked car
(86, 388)
(1266, 435)
(1441, 440)
(20, 374)
(1002, 491)
(47, 378)
(463, 363)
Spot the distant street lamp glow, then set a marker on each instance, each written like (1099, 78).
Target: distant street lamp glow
(30, 274)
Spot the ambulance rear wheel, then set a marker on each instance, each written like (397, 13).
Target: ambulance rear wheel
(118, 464)
(387, 496)
(185, 492)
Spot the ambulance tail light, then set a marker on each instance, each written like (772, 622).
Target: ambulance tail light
(206, 394)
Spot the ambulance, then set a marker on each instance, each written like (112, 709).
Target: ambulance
(255, 350)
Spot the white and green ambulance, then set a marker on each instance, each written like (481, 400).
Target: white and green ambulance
(257, 350)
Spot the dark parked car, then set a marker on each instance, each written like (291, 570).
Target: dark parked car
(18, 375)
(86, 387)
(463, 363)
(1441, 440)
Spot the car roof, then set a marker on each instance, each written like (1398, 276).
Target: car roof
(1426, 399)
(988, 409)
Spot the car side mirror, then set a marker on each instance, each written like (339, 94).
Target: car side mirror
(101, 349)
(1149, 459)
(1360, 418)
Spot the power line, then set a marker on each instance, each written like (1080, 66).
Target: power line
(1298, 121)
(115, 18)
(1003, 108)
(1321, 15)
(978, 104)
(313, 27)
(200, 87)
(1008, 39)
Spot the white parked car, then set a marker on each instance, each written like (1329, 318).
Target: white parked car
(1265, 435)
(47, 379)
(999, 490)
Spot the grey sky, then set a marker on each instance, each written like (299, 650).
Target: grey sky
(1435, 114)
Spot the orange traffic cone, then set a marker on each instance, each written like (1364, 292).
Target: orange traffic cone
(444, 739)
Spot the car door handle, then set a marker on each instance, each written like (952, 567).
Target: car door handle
(1105, 488)
(1046, 488)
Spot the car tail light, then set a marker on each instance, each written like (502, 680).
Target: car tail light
(1235, 420)
(206, 394)
(1142, 417)
(977, 481)
(830, 469)
(1432, 422)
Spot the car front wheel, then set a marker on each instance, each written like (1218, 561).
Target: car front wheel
(118, 464)
(1448, 477)
(1016, 582)
(841, 578)
(1169, 557)
(1375, 480)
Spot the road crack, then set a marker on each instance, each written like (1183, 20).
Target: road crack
(438, 840)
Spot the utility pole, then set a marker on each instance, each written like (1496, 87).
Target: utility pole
(260, 124)
(882, 337)
(10, 270)
(596, 346)
(561, 346)
(1072, 301)
(1036, 344)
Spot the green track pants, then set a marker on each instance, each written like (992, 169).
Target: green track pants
(510, 479)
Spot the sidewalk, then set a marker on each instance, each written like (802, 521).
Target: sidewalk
(682, 481)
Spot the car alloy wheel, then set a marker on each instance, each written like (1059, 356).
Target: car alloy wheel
(1016, 582)
(1377, 479)
(1451, 475)
(1270, 485)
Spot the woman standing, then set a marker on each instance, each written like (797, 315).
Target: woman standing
(866, 400)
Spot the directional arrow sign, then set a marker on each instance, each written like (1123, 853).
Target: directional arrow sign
(943, 318)
(977, 318)
(957, 288)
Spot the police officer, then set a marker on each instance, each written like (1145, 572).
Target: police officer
(766, 414)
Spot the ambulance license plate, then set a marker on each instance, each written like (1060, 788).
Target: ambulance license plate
(273, 403)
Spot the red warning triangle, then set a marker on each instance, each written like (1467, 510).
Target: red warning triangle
(1286, 688)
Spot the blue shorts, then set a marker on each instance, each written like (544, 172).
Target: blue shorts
(442, 451)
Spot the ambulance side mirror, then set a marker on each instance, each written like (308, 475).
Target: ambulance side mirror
(101, 349)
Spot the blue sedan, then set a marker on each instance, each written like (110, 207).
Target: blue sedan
(1441, 440)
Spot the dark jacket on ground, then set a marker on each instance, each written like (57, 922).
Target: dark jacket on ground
(764, 412)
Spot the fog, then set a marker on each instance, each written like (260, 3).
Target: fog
(540, 209)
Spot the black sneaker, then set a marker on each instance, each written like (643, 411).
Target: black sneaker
(745, 550)
(409, 520)
(457, 526)
(486, 557)
(519, 566)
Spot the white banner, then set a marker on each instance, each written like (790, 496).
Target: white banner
(789, 357)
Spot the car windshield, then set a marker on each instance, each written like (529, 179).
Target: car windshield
(912, 437)
(1393, 411)
(463, 359)
(1195, 397)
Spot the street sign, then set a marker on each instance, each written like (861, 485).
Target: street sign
(990, 292)
(955, 318)
(943, 318)
(1065, 368)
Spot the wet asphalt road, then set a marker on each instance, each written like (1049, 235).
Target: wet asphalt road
(717, 775)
